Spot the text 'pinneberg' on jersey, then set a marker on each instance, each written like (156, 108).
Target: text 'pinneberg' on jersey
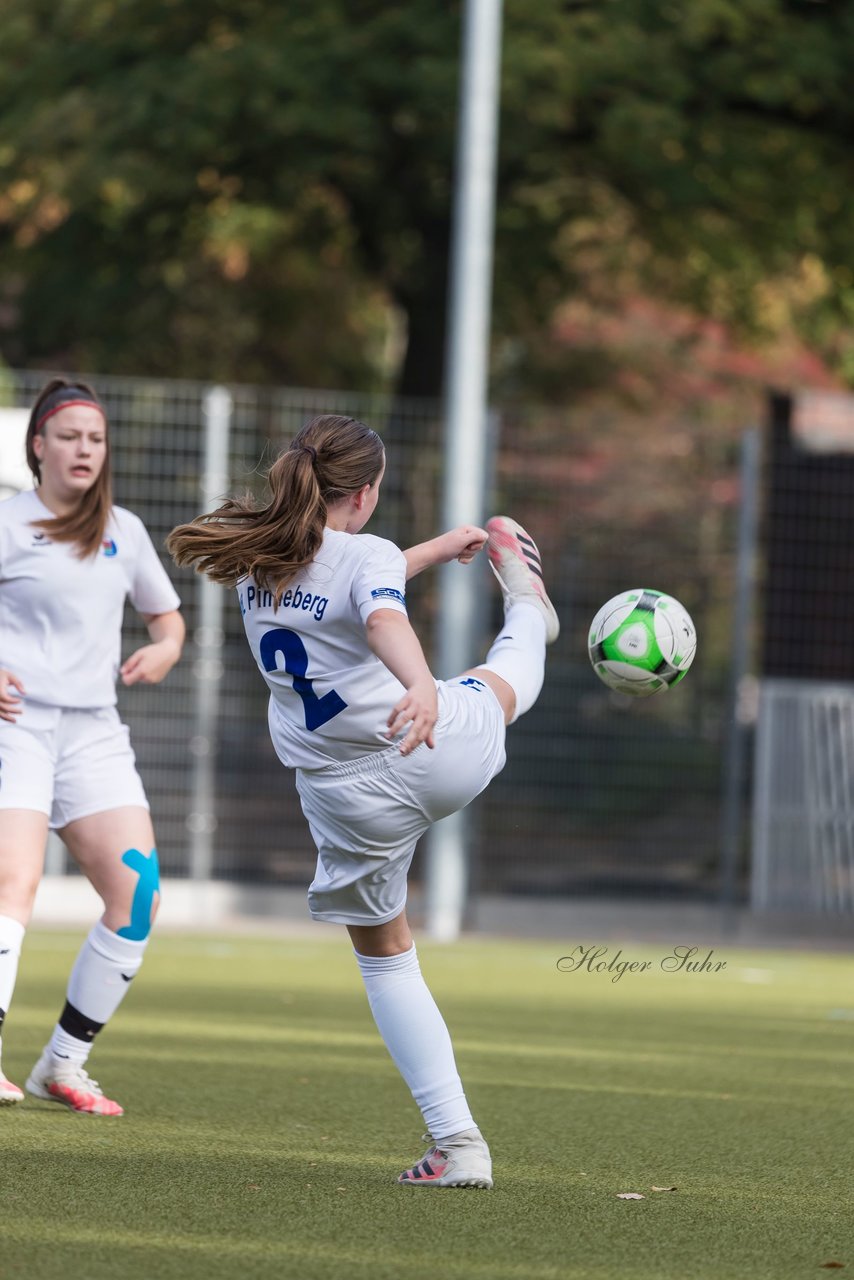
(250, 595)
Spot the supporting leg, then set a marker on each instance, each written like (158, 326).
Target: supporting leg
(417, 1038)
(23, 834)
(116, 851)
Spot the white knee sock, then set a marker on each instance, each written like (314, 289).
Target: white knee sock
(11, 937)
(415, 1035)
(518, 654)
(102, 973)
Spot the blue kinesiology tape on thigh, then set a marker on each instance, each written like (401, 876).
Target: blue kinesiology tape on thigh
(145, 865)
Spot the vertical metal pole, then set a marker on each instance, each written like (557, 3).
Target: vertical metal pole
(208, 639)
(56, 857)
(763, 772)
(467, 364)
(733, 777)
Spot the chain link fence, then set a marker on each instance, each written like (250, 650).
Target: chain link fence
(803, 798)
(601, 794)
(803, 814)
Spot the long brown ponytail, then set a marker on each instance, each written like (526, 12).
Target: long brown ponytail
(330, 458)
(87, 524)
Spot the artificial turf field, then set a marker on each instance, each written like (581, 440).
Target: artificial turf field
(265, 1124)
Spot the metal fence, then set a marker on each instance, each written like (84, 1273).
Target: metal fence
(803, 813)
(601, 794)
(803, 797)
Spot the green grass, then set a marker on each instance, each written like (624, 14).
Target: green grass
(265, 1123)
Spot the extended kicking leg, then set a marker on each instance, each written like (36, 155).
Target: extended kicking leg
(515, 665)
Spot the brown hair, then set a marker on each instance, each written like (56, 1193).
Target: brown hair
(87, 524)
(330, 458)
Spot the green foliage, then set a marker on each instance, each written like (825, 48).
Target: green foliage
(700, 155)
(263, 191)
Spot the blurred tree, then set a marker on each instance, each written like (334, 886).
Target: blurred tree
(697, 152)
(258, 191)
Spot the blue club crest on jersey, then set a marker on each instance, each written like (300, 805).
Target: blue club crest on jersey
(109, 547)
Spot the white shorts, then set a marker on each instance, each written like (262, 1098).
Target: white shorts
(367, 815)
(67, 763)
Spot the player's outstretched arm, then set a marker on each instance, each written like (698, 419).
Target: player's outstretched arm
(392, 639)
(10, 702)
(462, 543)
(153, 662)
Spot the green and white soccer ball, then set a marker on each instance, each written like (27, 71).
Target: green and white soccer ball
(642, 642)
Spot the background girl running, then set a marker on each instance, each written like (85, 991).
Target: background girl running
(68, 560)
(381, 749)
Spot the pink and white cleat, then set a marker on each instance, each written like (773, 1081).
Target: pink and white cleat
(515, 560)
(68, 1083)
(9, 1093)
(462, 1160)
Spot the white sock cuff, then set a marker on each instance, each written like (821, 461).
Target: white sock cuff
(404, 962)
(11, 934)
(528, 624)
(122, 951)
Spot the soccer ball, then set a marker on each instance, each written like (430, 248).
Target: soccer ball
(642, 642)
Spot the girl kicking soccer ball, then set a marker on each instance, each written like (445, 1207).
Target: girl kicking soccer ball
(381, 749)
(68, 559)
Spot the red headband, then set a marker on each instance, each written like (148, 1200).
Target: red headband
(64, 398)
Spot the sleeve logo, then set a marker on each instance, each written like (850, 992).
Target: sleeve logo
(387, 593)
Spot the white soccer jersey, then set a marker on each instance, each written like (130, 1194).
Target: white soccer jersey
(331, 696)
(60, 616)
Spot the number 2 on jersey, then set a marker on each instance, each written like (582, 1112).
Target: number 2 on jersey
(318, 711)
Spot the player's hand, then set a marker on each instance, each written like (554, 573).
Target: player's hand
(10, 702)
(418, 708)
(151, 663)
(462, 543)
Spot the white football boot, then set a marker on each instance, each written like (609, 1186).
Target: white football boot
(462, 1160)
(68, 1083)
(515, 561)
(9, 1093)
